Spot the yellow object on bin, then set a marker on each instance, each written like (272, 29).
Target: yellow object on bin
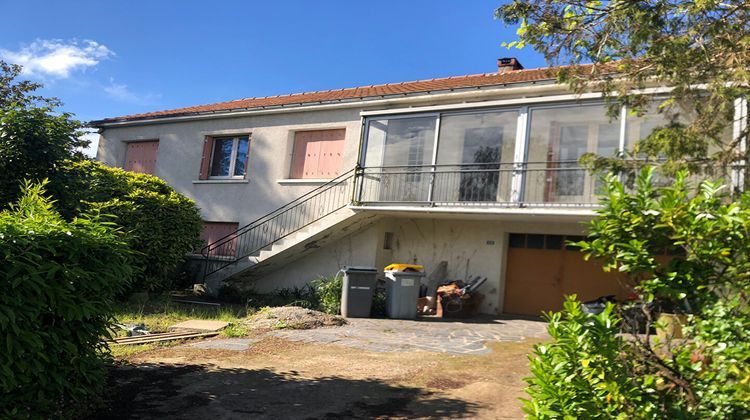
(404, 267)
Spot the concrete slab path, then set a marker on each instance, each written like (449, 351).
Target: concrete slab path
(442, 336)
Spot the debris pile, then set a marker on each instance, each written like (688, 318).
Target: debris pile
(449, 298)
(459, 299)
(292, 317)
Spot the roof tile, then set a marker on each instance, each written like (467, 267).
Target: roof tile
(417, 86)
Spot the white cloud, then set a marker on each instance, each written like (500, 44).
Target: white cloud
(56, 58)
(122, 93)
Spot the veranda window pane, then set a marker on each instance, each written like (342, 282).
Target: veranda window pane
(221, 161)
(404, 148)
(639, 127)
(240, 162)
(486, 137)
(400, 141)
(558, 137)
(476, 144)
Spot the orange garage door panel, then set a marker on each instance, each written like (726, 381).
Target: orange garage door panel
(541, 271)
(141, 156)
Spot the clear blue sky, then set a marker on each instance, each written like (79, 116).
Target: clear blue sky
(107, 58)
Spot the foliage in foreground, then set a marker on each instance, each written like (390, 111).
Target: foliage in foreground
(59, 280)
(705, 374)
(583, 371)
(161, 224)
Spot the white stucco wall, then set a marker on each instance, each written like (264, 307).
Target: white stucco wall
(357, 249)
(181, 146)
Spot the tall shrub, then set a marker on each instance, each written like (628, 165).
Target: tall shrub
(161, 224)
(59, 280)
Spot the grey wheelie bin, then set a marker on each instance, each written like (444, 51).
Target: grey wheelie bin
(403, 292)
(356, 291)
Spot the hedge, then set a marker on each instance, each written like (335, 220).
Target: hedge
(162, 225)
(59, 280)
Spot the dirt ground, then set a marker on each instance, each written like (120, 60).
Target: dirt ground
(276, 378)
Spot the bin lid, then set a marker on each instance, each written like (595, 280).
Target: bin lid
(393, 274)
(355, 269)
(404, 267)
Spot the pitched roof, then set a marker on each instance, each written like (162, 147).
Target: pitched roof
(356, 93)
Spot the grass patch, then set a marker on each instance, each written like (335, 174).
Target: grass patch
(159, 313)
(234, 330)
(119, 351)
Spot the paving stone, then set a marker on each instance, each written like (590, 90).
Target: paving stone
(237, 344)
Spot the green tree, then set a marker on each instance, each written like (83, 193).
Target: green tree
(699, 49)
(696, 53)
(35, 139)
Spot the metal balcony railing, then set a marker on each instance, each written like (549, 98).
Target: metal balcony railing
(531, 184)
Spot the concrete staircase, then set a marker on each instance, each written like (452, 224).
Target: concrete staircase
(294, 246)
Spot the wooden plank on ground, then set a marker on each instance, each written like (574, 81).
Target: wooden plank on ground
(155, 338)
(200, 325)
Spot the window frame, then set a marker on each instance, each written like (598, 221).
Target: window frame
(232, 159)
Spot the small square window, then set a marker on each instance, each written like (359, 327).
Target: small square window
(229, 157)
(535, 241)
(517, 240)
(388, 241)
(554, 242)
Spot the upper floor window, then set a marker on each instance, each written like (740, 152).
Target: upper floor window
(225, 157)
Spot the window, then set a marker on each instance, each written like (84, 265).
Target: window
(229, 157)
(400, 147)
(558, 137)
(224, 157)
(141, 156)
(318, 154)
(477, 143)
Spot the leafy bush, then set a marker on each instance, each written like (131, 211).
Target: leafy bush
(583, 372)
(706, 374)
(161, 224)
(58, 279)
(328, 290)
(304, 297)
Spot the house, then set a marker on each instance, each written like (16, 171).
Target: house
(479, 171)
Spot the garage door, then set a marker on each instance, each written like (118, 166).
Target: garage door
(541, 270)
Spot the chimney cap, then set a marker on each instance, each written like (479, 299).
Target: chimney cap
(508, 63)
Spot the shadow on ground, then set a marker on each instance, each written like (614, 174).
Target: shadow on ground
(202, 391)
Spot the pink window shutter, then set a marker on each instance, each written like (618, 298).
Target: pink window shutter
(318, 154)
(141, 156)
(208, 144)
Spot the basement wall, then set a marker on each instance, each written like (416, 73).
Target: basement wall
(471, 248)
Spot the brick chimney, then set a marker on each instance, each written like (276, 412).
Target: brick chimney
(508, 64)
